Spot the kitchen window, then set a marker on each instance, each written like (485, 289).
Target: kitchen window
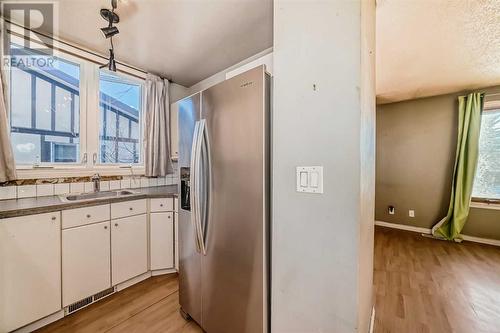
(120, 105)
(487, 179)
(72, 117)
(44, 110)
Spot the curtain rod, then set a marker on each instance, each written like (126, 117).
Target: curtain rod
(80, 49)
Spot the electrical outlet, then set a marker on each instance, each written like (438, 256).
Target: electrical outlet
(411, 213)
(391, 210)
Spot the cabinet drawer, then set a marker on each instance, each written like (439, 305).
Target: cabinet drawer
(128, 208)
(162, 205)
(85, 215)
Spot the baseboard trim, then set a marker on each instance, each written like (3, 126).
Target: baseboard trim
(163, 271)
(132, 281)
(494, 242)
(421, 230)
(41, 322)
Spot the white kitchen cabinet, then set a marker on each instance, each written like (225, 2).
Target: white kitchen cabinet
(176, 232)
(174, 131)
(162, 240)
(129, 248)
(30, 269)
(162, 205)
(176, 228)
(84, 215)
(128, 208)
(86, 261)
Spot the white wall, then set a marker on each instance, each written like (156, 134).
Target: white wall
(322, 273)
(261, 58)
(177, 92)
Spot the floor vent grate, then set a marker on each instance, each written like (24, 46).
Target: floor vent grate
(104, 293)
(89, 300)
(80, 304)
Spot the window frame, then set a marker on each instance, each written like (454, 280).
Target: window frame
(142, 118)
(82, 106)
(89, 63)
(480, 202)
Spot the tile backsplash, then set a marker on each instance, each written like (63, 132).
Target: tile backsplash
(57, 186)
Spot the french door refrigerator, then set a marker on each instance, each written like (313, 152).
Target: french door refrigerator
(224, 214)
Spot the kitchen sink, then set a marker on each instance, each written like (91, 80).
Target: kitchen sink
(95, 195)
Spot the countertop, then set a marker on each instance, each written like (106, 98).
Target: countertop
(29, 206)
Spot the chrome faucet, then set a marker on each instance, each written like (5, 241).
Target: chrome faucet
(96, 179)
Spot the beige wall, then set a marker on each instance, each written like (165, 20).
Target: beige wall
(415, 154)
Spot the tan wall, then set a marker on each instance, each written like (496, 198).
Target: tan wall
(416, 142)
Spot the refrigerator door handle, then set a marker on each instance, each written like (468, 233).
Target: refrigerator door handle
(194, 185)
(206, 171)
(200, 185)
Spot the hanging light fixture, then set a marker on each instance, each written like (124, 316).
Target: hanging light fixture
(109, 32)
(111, 63)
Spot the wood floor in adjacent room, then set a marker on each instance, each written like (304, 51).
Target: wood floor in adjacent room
(149, 306)
(427, 285)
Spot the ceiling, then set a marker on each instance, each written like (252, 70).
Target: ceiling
(185, 41)
(424, 47)
(433, 47)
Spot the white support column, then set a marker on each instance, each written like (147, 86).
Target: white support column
(324, 115)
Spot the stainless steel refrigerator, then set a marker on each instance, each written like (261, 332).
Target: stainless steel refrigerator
(224, 156)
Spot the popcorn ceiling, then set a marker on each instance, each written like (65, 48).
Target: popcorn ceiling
(433, 47)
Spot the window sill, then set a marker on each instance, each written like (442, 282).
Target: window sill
(485, 205)
(78, 171)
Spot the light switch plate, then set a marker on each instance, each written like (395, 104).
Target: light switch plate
(310, 179)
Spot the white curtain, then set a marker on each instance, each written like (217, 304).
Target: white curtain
(7, 163)
(157, 133)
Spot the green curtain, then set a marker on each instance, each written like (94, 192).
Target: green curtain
(470, 108)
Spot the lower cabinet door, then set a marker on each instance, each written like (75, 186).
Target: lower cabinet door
(30, 269)
(86, 263)
(129, 248)
(162, 240)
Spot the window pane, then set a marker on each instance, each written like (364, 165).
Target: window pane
(20, 97)
(43, 104)
(26, 148)
(120, 107)
(487, 181)
(44, 110)
(64, 111)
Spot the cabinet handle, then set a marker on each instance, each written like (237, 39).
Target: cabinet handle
(131, 208)
(116, 224)
(88, 216)
(53, 218)
(161, 205)
(168, 216)
(105, 227)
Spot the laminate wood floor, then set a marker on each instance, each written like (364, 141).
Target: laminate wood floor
(149, 306)
(420, 285)
(428, 285)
